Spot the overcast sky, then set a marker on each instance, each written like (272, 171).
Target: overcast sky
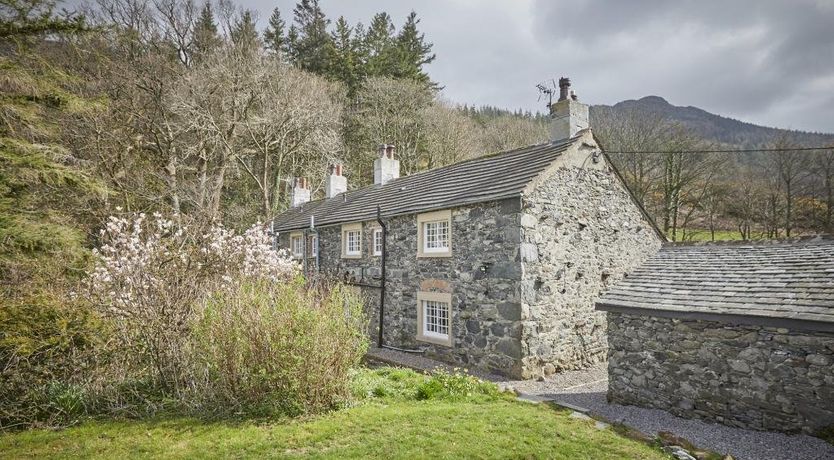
(769, 62)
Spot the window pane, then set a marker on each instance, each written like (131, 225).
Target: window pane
(436, 318)
(436, 235)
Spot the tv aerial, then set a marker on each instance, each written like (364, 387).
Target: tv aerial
(546, 88)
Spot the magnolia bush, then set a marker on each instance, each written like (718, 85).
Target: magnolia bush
(152, 272)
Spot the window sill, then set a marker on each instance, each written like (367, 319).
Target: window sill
(430, 255)
(351, 256)
(447, 342)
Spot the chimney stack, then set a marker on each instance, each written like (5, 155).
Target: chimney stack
(568, 116)
(386, 168)
(300, 192)
(335, 183)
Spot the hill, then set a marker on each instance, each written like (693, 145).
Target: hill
(710, 126)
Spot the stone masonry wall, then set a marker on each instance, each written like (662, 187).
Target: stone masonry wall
(580, 233)
(755, 377)
(482, 276)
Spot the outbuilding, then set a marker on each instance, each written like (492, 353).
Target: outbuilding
(738, 333)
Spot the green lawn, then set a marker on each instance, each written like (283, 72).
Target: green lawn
(388, 423)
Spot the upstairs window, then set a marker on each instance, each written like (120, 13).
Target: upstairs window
(297, 245)
(378, 242)
(434, 238)
(352, 241)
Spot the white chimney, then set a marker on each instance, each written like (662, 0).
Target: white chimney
(568, 116)
(300, 192)
(386, 168)
(335, 183)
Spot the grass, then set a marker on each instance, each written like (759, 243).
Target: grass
(397, 414)
(703, 234)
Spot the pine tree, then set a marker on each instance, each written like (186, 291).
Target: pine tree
(244, 34)
(274, 34)
(379, 46)
(290, 44)
(345, 65)
(412, 52)
(312, 46)
(205, 33)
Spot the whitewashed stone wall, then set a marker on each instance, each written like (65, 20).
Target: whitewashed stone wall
(581, 232)
(755, 377)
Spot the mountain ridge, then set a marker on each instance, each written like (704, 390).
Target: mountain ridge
(710, 126)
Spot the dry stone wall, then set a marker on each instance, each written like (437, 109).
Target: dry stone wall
(580, 233)
(755, 377)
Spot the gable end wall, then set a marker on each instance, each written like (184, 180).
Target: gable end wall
(581, 232)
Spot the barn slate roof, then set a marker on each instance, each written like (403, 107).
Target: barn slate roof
(773, 283)
(488, 178)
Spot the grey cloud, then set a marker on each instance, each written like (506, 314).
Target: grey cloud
(765, 61)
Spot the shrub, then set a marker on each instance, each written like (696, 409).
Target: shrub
(151, 273)
(266, 348)
(46, 349)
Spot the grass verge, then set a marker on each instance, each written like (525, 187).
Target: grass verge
(399, 414)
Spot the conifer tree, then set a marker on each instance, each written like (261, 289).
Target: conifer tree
(346, 64)
(412, 53)
(274, 34)
(244, 34)
(379, 46)
(290, 44)
(205, 33)
(312, 46)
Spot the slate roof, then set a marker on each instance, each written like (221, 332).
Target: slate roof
(488, 178)
(782, 280)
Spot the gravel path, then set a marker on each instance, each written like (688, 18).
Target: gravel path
(586, 389)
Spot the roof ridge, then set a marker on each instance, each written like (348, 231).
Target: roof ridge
(763, 242)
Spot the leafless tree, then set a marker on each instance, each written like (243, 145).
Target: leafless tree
(252, 112)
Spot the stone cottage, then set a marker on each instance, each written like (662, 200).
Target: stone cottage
(742, 334)
(491, 263)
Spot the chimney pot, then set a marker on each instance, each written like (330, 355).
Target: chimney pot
(564, 86)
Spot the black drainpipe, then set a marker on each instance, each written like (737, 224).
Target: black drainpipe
(382, 281)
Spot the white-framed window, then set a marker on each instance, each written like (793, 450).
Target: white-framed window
(377, 241)
(352, 240)
(434, 234)
(297, 245)
(314, 246)
(434, 318)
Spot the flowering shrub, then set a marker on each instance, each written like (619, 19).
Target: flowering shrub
(150, 273)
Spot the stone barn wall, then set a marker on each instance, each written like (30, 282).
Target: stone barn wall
(580, 233)
(756, 377)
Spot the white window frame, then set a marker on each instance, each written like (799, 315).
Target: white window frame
(426, 300)
(314, 246)
(298, 238)
(347, 231)
(377, 243)
(424, 222)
